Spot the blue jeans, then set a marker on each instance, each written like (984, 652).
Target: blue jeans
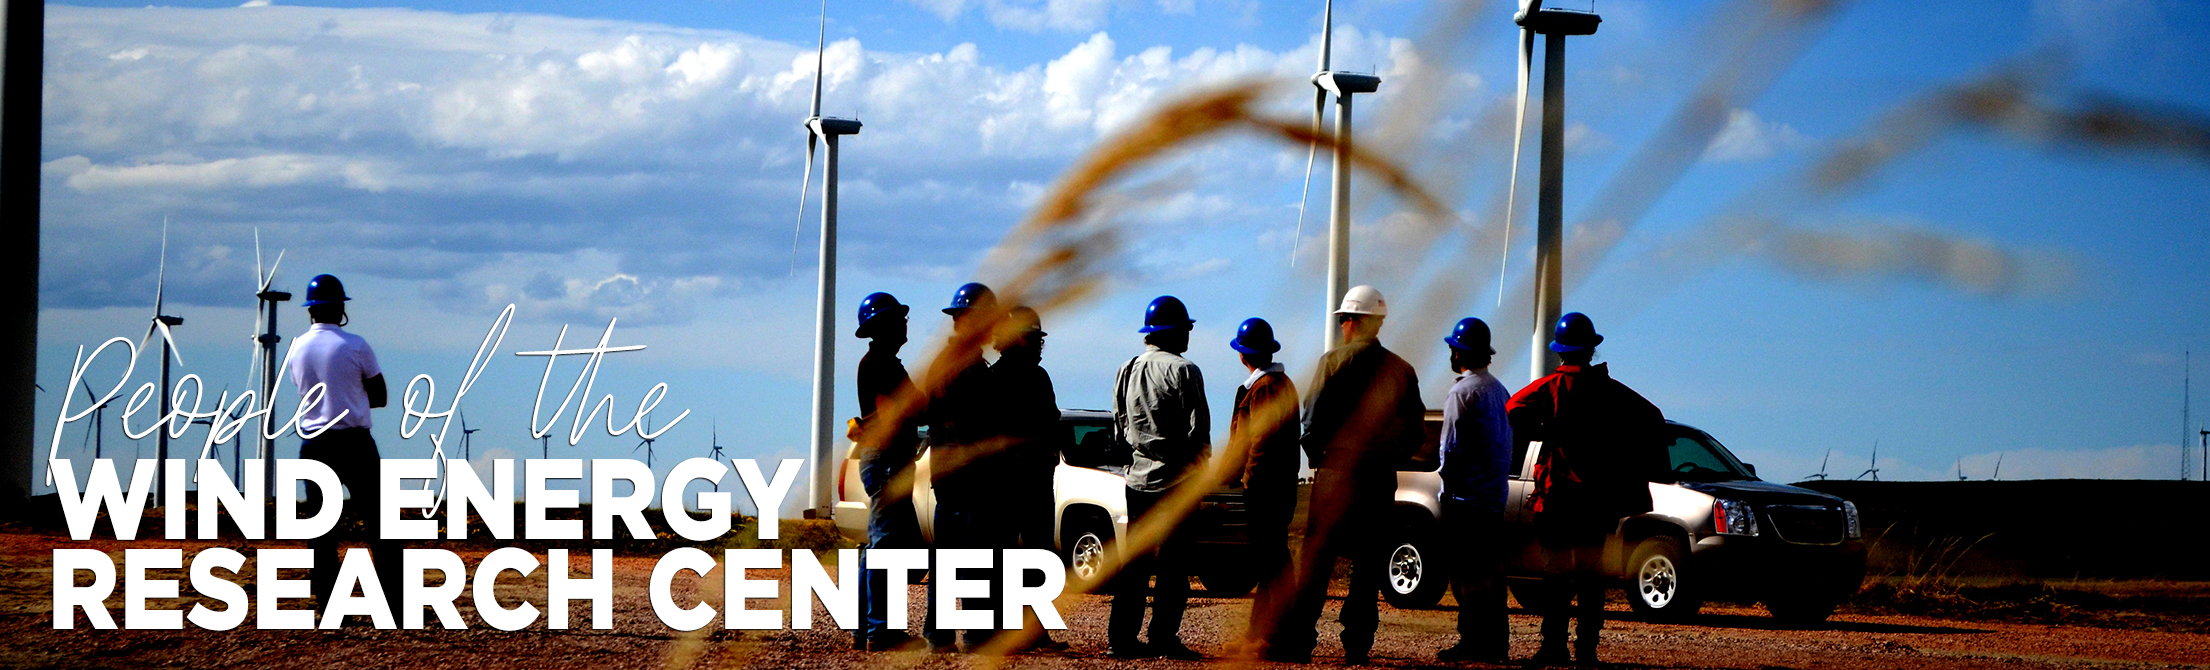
(967, 526)
(890, 525)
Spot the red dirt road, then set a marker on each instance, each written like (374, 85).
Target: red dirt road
(1724, 638)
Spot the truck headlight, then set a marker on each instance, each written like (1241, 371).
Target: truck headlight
(1733, 517)
(1849, 510)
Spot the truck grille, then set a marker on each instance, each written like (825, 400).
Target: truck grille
(1807, 524)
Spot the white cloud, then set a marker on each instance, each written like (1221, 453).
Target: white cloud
(1035, 15)
(264, 171)
(1747, 138)
(432, 145)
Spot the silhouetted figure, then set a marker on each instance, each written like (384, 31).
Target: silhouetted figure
(886, 462)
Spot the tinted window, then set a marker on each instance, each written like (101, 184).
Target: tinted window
(1091, 445)
(1697, 457)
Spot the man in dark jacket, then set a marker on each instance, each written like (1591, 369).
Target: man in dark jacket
(1600, 444)
(1363, 421)
(1262, 434)
(1029, 418)
(889, 440)
(965, 448)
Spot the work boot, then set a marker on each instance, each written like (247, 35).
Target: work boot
(1357, 657)
(1128, 649)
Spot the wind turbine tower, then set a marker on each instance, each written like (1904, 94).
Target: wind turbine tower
(264, 353)
(1555, 25)
(1343, 85)
(825, 130)
(162, 323)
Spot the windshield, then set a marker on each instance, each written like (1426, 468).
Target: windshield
(1698, 458)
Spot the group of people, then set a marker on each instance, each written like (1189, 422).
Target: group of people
(995, 438)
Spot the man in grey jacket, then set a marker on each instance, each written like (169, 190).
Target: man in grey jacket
(1159, 410)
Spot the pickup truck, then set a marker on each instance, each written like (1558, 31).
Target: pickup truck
(1716, 532)
(1091, 502)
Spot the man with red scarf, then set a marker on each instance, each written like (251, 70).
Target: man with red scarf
(1599, 447)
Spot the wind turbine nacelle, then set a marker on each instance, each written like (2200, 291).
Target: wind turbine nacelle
(1552, 21)
(826, 125)
(1346, 83)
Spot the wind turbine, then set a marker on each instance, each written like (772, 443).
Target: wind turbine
(1822, 465)
(1998, 468)
(1874, 470)
(822, 129)
(1960, 470)
(162, 323)
(264, 351)
(98, 434)
(646, 443)
(465, 437)
(1555, 25)
(1343, 85)
(713, 452)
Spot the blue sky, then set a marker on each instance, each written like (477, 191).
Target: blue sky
(1992, 290)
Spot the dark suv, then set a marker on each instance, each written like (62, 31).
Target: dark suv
(1716, 532)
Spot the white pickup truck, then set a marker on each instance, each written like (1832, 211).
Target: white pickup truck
(1091, 503)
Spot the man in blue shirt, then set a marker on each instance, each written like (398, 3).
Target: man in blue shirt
(1476, 452)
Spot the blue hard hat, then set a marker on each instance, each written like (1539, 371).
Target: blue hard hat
(1471, 335)
(1255, 336)
(1165, 312)
(969, 296)
(324, 289)
(874, 305)
(1575, 333)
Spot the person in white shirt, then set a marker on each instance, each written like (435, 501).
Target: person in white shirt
(345, 367)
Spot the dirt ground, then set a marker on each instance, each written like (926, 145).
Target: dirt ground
(1725, 637)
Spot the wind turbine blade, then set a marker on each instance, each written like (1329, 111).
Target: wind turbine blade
(150, 328)
(1327, 34)
(805, 190)
(169, 339)
(819, 45)
(1519, 135)
(1312, 150)
(272, 270)
(257, 274)
(161, 275)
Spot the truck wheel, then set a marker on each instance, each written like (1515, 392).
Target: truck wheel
(1087, 539)
(1415, 571)
(1656, 585)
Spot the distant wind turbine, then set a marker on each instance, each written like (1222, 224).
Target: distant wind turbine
(1998, 468)
(713, 451)
(1874, 470)
(1822, 465)
(645, 443)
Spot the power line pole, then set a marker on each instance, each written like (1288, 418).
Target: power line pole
(2186, 406)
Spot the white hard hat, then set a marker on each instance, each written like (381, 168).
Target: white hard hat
(1363, 299)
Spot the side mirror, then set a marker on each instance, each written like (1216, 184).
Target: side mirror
(1752, 469)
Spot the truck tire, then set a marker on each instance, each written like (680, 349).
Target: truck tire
(1086, 539)
(1658, 585)
(1415, 572)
